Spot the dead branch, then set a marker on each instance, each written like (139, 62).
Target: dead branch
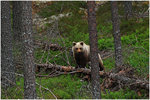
(47, 90)
(54, 47)
(49, 46)
(68, 69)
(121, 78)
(132, 82)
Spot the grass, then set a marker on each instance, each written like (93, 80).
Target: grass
(123, 94)
(65, 87)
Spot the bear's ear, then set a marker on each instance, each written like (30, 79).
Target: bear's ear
(82, 43)
(74, 43)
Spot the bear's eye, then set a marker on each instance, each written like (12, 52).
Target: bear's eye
(76, 48)
(80, 48)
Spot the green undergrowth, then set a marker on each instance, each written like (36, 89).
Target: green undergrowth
(54, 57)
(57, 7)
(123, 94)
(65, 87)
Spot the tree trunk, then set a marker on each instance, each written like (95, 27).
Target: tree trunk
(17, 20)
(27, 50)
(128, 9)
(8, 68)
(16, 14)
(93, 50)
(116, 34)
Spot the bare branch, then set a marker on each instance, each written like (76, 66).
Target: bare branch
(47, 90)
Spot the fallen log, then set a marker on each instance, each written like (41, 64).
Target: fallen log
(67, 69)
(112, 78)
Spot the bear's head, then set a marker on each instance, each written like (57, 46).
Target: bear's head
(78, 47)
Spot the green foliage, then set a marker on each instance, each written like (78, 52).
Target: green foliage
(138, 41)
(10, 93)
(75, 35)
(104, 44)
(105, 29)
(15, 92)
(75, 23)
(108, 65)
(139, 61)
(64, 86)
(122, 94)
(104, 14)
(133, 26)
(64, 6)
(54, 57)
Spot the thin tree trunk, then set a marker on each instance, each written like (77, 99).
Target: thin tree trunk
(93, 51)
(27, 50)
(7, 65)
(116, 33)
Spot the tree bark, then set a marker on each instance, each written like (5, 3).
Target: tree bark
(96, 94)
(17, 20)
(27, 50)
(7, 55)
(116, 33)
(16, 27)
